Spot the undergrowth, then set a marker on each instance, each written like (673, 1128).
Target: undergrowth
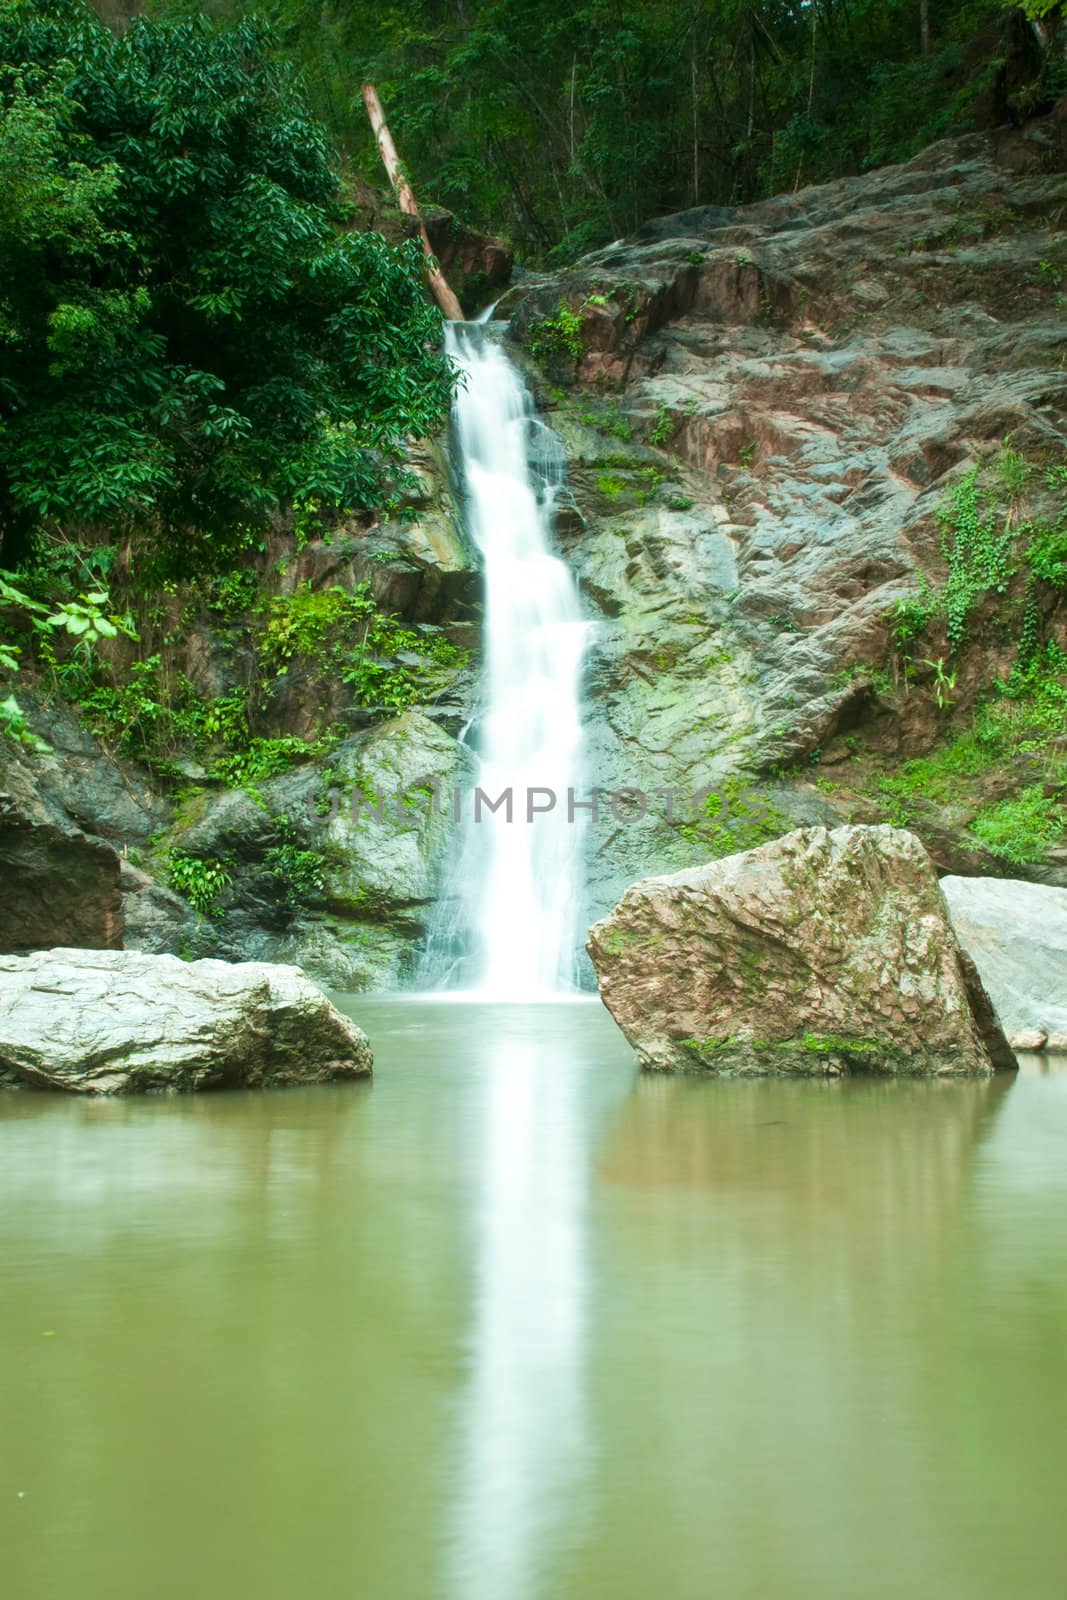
(1015, 726)
(150, 711)
(734, 817)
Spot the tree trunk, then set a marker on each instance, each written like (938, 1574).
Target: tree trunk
(924, 25)
(405, 199)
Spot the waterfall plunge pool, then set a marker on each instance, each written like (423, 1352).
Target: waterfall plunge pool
(512, 1323)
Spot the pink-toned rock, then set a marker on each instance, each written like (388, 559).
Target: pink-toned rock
(823, 952)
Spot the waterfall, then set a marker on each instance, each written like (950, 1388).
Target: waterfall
(511, 926)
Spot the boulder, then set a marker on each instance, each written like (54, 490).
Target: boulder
(823, 952)
(83, 784)
(120, 1022)
(1016, 934)
(57, 885)
(373, 840)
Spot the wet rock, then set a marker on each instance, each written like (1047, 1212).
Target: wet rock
(120, 1022)
(823, 952)
(1016, 934)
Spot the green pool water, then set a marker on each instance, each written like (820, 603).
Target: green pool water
(512, 1323)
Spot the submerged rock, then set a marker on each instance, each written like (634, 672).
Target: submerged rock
(825, 951)
(1016, 934)
(120, 1022)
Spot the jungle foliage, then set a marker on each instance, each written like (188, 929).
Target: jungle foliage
(191, 340)
(567, 125)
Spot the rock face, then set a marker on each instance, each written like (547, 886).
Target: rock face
(333, 867)
(1016, 934)
(125, 1023)
(57, 885)
(156, 921)
(824, 952)
(787, 392)
(477, 265)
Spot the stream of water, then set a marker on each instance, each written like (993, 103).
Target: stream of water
(510, 928)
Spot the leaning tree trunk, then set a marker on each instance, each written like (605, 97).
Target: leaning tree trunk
(405, 199)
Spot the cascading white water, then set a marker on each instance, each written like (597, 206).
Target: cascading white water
(516, 894)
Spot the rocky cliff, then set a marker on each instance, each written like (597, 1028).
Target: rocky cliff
(817, 455)
(816, 485)
(253, 778)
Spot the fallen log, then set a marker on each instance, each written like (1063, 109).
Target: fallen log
(405, 199)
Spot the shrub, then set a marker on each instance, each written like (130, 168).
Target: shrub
(1022, 829)
(557, 341)
(200, 879)
(1047, 554)
(341, 631)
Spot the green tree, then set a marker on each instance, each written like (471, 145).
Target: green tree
(190, 336)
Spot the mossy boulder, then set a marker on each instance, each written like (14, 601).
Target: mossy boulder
(824, 952)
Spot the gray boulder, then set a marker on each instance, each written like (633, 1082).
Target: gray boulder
(1016, 934)
(369, 820)
(120, 1022)
(824, 952)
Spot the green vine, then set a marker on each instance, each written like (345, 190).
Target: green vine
(978, 550)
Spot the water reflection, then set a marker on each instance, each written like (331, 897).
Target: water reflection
(783, 1269)
(525, 1452)
(512, 1323)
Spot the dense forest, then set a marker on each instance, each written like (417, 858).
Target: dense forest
(193, 338)
(566, 125)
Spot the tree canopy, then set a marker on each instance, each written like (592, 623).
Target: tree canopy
(190, 337)
(568, 122)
